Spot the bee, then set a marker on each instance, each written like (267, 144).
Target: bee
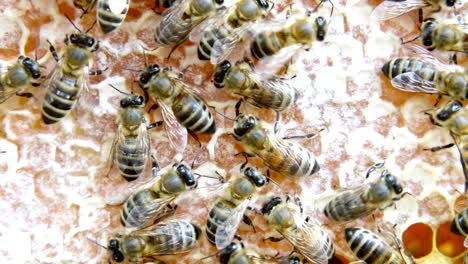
(414, 75)
(70, 76)
(459, 224)
(235, 253)
(181, 107)
(228, 28)
(17, 76)
(178, 21)
(369, 247)
(301, 33)
(260, 90)
(169, 237)
(363, 201)
(228, 210)
(154, 202)
(306, 237)
(389, 9)
(454, 117)
(444, 36)
(258, 138)
(110, 14)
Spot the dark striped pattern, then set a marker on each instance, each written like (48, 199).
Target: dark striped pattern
(268, 97)
(220, 212)
(398, 66)
(131, 157)
(459, 224)
(107, 19)
(193, 113)
(346, 206)
(267, 43)
(133, 211)
(368, 247)
(60, 98)
(173, 237)
(205, 47)
(173, 31)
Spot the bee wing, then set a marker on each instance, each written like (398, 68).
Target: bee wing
(176, 132)
(223, 48)
(389, 9)
(421, 53)
(350, 201)
(459, 141)
(142, 141)
(6, 92)
(273, 82)
(152, 211)
(175, 13)
(413, 82)
(213, 22)
(227, 230)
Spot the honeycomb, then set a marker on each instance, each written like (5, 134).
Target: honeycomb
(54, 190)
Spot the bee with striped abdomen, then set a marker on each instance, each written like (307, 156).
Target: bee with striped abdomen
(364, 200)
(70, 76)
(110, 13)
(17, 77)
(301, 33)
(459, 225)
(258, 138)
(169, 237)
(389, 9)
(368, 247)
(228, 210)
(307, 238)
(156, 201)
(180, 19)
(228, 28)
(181, 107)
(445, 36)
(260, 90)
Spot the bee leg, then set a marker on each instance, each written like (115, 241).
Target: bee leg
(246, 155)
(194, 136)
(27, 95)
(297, 201)
(420, 15)
(247, 220)
(435, 149)
(53, 51)
(238, 104)
(153, 107)
(453, 59)
(273, 239)
(154, 125)
(172, 50)
(97, 72)
(154, 166)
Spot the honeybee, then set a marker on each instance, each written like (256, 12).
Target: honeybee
(444, 36)
(414, 75)
(369, 247)
(258, 138)
(389, 9)
(228, 210)
(301, 33)
(306, 237)
(235, 253)
(178, 21)
(181, 107)
(155, 201)
(260, 90)
(169, 237)
(69, 77)
(17, 76)
(363, 201)
(459, 225)
(454, 117)
(228, 28)
(110, 14)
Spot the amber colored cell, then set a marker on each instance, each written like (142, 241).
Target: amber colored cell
(418, 240)
(460, 203)
(448, 243)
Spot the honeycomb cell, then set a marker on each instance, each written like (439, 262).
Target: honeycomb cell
(448, 243)
(418, 240)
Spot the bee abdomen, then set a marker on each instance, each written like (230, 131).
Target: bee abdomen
(59, 99)
(180, 236)
(366, 246)
(399, 66)
(132, 214)
(108, 20)
(205, 47)
(220, 212)
(193, 113)
(131, 158)
(339, 209)
(297, 162)
(172, 32)
(459, 224)
(266, 44)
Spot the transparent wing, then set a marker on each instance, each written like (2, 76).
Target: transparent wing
(175, 11)
(153, 210)
(413, 82)
(213, 22)
(222, 49)
(421, 53)
(282, 57)
(176, 132)
(6, 92)
(190, 89)
(227, 230)
(390, 9)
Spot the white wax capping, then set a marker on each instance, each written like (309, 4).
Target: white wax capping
(117, 6)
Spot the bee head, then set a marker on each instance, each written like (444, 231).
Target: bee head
(263, 4)
(391, 181)
(132, 100)
(255, 176)
(294, 260)
(266, 209)
(321, 25)
(146, 76)
(82, 40)
(226, 252)
(450, 3)
(32, 66)
(117, 256)
(187, 175)
(243, 124)
(220, 72)
(448, 110)
(426, 31)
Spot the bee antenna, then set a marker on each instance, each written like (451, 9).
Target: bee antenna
(210, 256)
(144, 56)
(219, 178)
(69, 19)
(115, 88)
(97, 243)
(132, 70)
(91, 26)
(221, 114)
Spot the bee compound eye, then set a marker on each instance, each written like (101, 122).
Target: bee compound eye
(90, 42)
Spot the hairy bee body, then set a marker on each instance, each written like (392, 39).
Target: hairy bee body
(258, 138)
(369, 247)
(245, 11)
(306, 237)
(69, 77)
(459, 224)
(389, 9)
(154, 202)
(170, 237)
(303, 31)
(178, 21)
(235, 253)
(228, 210)
(274, 92)
(25, 71)
(111, 13)
(415, 75)
(363, 201)
(443, 36)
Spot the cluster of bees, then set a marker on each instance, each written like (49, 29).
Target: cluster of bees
(184, 112)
